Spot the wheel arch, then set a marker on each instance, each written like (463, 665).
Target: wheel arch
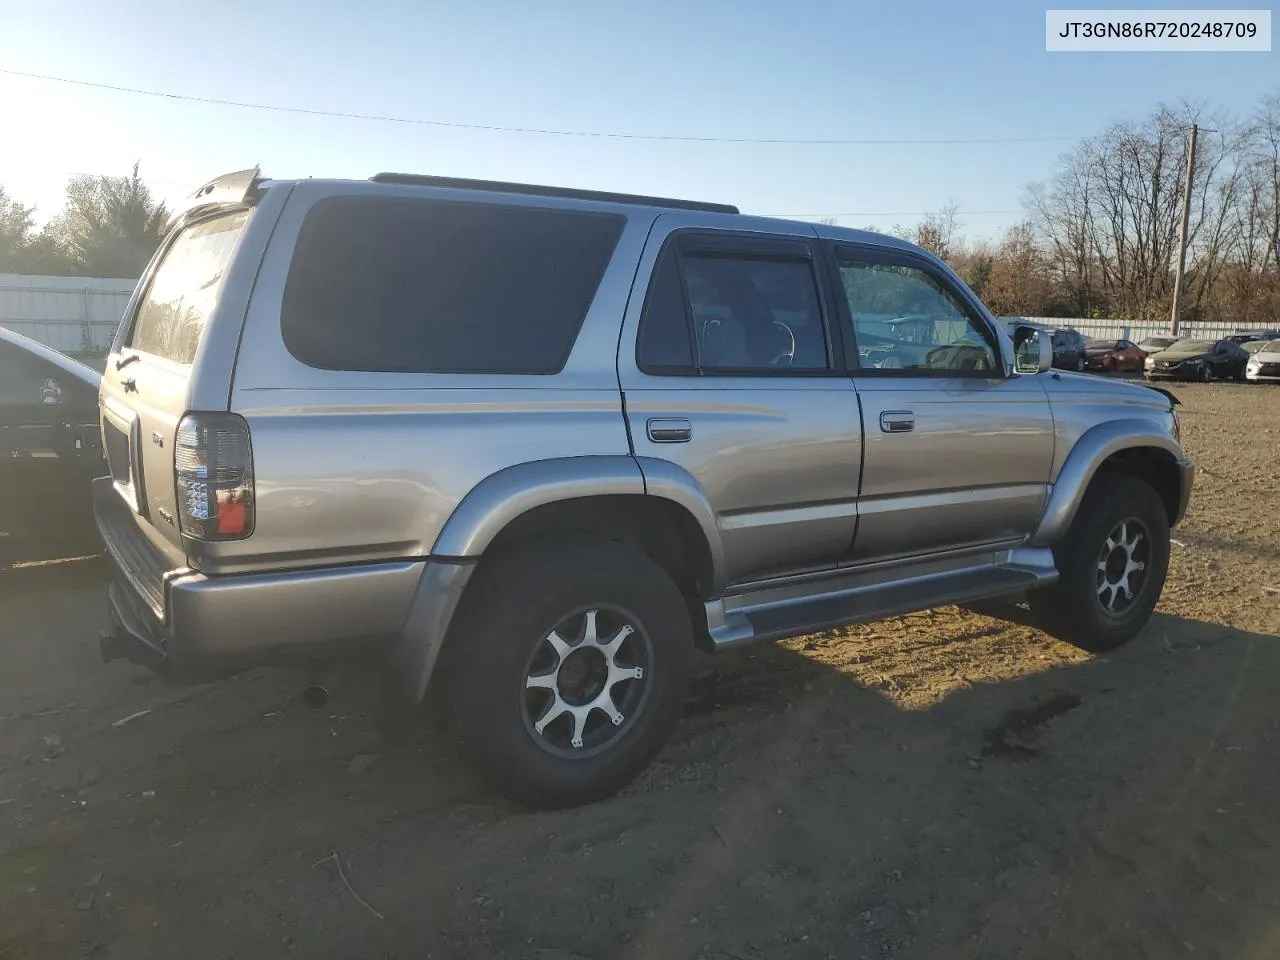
(610, 495)
(1133, 447)
(605, 496)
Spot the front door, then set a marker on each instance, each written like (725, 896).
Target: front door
(734, 377)
(957, 453)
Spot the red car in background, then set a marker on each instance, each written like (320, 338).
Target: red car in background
(1113, 355)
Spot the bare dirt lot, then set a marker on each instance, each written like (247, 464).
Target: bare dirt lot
(940, 785)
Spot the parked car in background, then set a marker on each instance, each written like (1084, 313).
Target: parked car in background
(1068, 349)
(1253, 346)
(1264, 361)
(1111, 355)
(1198, 360)
(1156, 344)
(49, 447)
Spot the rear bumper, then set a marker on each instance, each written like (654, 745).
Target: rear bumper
(190, 628)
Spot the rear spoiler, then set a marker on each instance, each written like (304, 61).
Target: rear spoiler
(230, 189)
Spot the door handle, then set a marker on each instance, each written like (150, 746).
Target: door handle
(897, 421)
(669, 430)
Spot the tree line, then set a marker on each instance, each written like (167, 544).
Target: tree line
(1099, 238)
(108, 227)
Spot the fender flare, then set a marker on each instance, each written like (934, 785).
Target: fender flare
(499, 499)
(669, 481)
(1089, 453)
(503, 496)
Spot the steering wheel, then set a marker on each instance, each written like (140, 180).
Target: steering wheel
(957, 356)
(786, 346)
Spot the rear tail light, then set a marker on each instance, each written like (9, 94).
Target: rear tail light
(213, 466)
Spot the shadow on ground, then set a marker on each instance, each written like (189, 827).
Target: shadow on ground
(1124, 806)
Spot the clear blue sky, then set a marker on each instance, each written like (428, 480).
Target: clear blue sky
(720, 68)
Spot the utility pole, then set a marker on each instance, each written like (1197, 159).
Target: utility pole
(1182, 231)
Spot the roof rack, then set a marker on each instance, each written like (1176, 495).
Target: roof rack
(537, 190)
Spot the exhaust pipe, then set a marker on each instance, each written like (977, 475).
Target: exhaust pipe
(316, 693)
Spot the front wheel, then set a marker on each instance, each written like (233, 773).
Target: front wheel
(1112, 563)
(568, 669)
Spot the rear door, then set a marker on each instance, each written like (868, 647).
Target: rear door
(736, 379)
(148, 382)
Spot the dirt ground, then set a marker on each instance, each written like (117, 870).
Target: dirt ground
(939, 785)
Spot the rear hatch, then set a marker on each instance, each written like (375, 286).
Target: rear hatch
(151, 376)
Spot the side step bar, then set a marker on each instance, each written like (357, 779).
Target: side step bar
(846, 596)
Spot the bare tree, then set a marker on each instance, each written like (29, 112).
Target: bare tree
(938, 231)
(1110, 215)
(1018, 283)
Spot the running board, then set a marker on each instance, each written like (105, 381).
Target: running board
(845, 596)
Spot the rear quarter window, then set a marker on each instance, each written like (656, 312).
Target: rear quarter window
(184, 289)
(426, 286)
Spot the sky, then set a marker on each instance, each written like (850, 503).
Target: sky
(757, 69)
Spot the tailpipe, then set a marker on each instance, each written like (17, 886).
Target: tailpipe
(316, 693)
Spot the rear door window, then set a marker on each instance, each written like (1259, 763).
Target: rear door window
(428, 286)
(184, 289)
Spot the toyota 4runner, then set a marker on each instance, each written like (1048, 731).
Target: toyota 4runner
(530, 448)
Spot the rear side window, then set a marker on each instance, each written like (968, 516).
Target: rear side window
(426, 286)
(185, 288)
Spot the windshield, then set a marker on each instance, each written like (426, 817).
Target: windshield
(1192, 346)
(1096, 343)
(1264, 346)
(1158, 343)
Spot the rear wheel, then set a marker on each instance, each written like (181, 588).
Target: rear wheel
(1113, 562)
(1079, 364)
(1206, 374)
(569, 669)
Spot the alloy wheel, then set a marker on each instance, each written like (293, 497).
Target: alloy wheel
(587, 681)
(1122, 565)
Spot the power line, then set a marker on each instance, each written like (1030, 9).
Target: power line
(384, 118)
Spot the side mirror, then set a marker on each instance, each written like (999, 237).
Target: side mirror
(1032, 350)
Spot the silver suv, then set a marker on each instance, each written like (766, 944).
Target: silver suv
(530, 448)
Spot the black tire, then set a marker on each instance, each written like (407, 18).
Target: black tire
(1205, 373)
(517, 600)
(1073, 609)
(1079, 364)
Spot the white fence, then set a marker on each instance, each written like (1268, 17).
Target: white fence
(1120, 330)
(77, 315)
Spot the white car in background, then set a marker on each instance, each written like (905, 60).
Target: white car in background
(1264, 363)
